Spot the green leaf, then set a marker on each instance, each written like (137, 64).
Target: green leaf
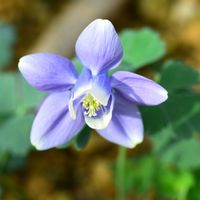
(173, 121)
(162, 139)
(14, 136)
(177, 120)
(178, 75)
(180, 109)
(82, 139)
(7, 40)
(16, 96)
(28, 98)
(141, 47)
(184, 153)
(77, 65)
(14, 163)
(140, 174)
(173, 183)
(4, 157)
(8, 99)
(174, 125)
(17, 101)
(194, 191)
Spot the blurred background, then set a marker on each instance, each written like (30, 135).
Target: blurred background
(166, 166)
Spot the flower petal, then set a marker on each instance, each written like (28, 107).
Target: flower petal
(83, 84)
(98, 46)
(138, 89)
(53, 125)
(48, 72)
(103, 118)
(101, 88)
(125, 127)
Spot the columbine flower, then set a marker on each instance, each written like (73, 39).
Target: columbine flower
(107, 104)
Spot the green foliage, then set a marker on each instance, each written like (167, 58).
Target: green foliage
(173, 183)
(174, 130)
(77, 65)
(8, 101)
(14, 136)
(181, 109)
(141, 47)
(28, 98)
(146, 174)
(139, 174)
(3, 160)
(17, 105)
(82, 139)
(183, 153)
(178, 75)
(175, 123)
(194, 193)
(7, 40)
(16, 96)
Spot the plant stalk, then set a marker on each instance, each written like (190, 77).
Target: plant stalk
(120, 174)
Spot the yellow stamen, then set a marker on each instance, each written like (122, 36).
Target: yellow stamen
(91, 105)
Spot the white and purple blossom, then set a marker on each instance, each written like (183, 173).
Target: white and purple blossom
(107, 104)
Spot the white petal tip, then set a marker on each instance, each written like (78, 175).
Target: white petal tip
(164, 94)
(37, 146)
(133, 144)
(136, 143)
(20, 63)
(22, 60)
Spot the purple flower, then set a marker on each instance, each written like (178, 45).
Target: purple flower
(107, 104)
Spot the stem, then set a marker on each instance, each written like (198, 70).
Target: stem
(120, 174)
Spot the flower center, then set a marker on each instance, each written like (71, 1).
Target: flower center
(91, 105)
